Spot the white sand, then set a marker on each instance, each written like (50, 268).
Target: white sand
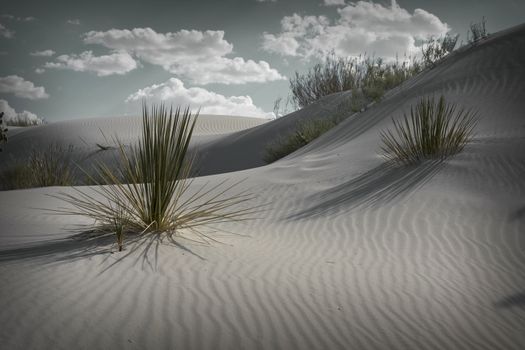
(350, 255)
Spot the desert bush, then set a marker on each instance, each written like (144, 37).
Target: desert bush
(370, 76)
(477, 31)
(335, 74)
(304, 133)
(3, 131)
(434, 130)
(436, 49)
(48, 167)
(152, 185)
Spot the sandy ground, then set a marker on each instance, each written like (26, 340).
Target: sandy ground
(351, 253)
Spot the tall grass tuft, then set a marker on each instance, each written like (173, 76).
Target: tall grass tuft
(151, 185)
(434, 130)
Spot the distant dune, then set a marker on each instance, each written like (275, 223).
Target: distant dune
(351, 253)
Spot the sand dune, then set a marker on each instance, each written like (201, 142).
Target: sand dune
(352, 254)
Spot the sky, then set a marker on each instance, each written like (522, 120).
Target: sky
(65, 59)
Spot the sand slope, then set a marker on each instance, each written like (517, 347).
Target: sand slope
(352, 254)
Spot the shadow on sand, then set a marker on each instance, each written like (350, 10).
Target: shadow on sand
(518, 214)
(381, 184)
(87, 244)
(515, 300)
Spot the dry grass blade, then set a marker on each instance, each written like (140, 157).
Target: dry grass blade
(433, 130)
(150, 191)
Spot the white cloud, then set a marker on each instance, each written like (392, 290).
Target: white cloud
(334, 2)
(173, 91)
(75, 21)
(44, 53)
(119, 62)
(13, 84)
(13, 117)
(284, 44)
(362, 27)
(6, 33)
(39, 71)
(198, 56)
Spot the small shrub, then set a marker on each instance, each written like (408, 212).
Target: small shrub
(3, 131)
(49, 167)
(335, 74)
(371, 76)
(477, 31)
(305, 133)
(152, 185)
(436, 49)
(434, 130)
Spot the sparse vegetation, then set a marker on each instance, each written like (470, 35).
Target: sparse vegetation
(365, 77)
(3, 131)
(152, 185)
(435, 49)
(304, 133)
(49, 167)
(477, 31)
(434, 130)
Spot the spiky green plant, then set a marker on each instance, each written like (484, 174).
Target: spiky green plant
(151, 184)
(433, 130)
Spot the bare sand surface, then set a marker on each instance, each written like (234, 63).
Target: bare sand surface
(351, 253)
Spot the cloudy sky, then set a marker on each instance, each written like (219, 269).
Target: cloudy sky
(68, 59)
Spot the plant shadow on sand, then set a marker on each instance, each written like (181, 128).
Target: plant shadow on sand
(144, 248)
(381, 184)
(514, 300)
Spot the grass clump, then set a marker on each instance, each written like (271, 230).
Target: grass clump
(152, 185)
(49, 167)
(304, 133)
(434, 130)
(3, 131)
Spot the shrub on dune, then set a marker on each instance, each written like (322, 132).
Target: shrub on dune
(3, 131)
(434, 130)
(477, 31)
(48, 167)
(151, 192)
(365, 76)
(304, 133)
(435, 49)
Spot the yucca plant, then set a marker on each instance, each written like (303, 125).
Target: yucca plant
(434, 130)
(151, 185)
